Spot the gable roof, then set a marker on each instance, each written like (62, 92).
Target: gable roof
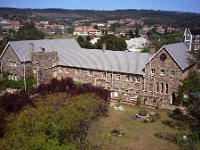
(179, 53)
(72, 55)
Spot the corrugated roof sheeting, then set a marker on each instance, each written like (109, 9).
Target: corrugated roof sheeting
(180, 53)
(71, 54)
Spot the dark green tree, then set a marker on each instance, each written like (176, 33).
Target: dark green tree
(28, 32)
(112, 43)
(84, 42)
(131, 34)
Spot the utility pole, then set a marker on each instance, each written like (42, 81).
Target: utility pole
(24, 74)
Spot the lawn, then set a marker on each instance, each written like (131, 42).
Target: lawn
(138, 135)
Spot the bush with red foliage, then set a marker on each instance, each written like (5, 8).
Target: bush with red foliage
(15, 102)
(67, 85)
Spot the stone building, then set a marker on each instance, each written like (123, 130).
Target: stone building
(192, 39)
(127, 74)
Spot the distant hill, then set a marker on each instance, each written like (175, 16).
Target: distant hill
(177, 19)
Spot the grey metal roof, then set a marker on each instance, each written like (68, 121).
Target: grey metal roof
(71, 54)
(180, 53)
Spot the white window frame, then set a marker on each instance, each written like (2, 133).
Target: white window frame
(162, 72)
(127, 78)
(118, 77)
(111, 75)
(78, 72)
(66, 70)
(138, 79)
(60, 70)
(153, 71)
(133, 79)
(14, 64)
(173, 73)
(103, 75)
(15, 77)
(91, 73)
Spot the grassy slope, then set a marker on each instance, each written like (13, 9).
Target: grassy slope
(138, 135)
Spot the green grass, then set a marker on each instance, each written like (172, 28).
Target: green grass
(138, 135)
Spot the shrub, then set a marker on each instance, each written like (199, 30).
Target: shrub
(142, 112)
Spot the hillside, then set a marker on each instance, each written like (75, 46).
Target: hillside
(180, 19)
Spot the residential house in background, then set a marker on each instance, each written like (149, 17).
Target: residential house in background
(136, 44)
(192, 39)
(86, 30)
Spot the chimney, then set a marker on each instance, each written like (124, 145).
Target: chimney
(104, 47)
(152, 50)
(43, 49)
(31, 49)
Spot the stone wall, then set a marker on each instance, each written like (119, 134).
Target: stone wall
(13, 66)
(159, 86)
(127, 85)
(42, 61)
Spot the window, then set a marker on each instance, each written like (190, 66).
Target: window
(90, 73)
(9, 77)
(118, 77)
(11, 63)
(133, 78)
(14, 64)
(54, 64)
(12, 77)
(111, 76)
(153, 71)
(138, 79)
(78, 72)
(157, 87)
(166, 90)
(196, 46)
(162, 88)
(66, 70)
(34, 71)
(173, 73)
(15, 77)
(54, 73)
(162, 72)
(163, 57)
(60, 70)
(104, 75)
(127, 77)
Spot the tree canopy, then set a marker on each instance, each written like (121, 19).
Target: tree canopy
(112, 43)
(55, 121)
(28, 32)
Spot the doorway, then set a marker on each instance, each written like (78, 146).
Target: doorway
(173, 99)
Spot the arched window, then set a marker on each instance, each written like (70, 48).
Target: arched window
(166, 90)
(157, 87)
(162, 88)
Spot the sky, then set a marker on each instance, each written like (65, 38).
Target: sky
(172, 5)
